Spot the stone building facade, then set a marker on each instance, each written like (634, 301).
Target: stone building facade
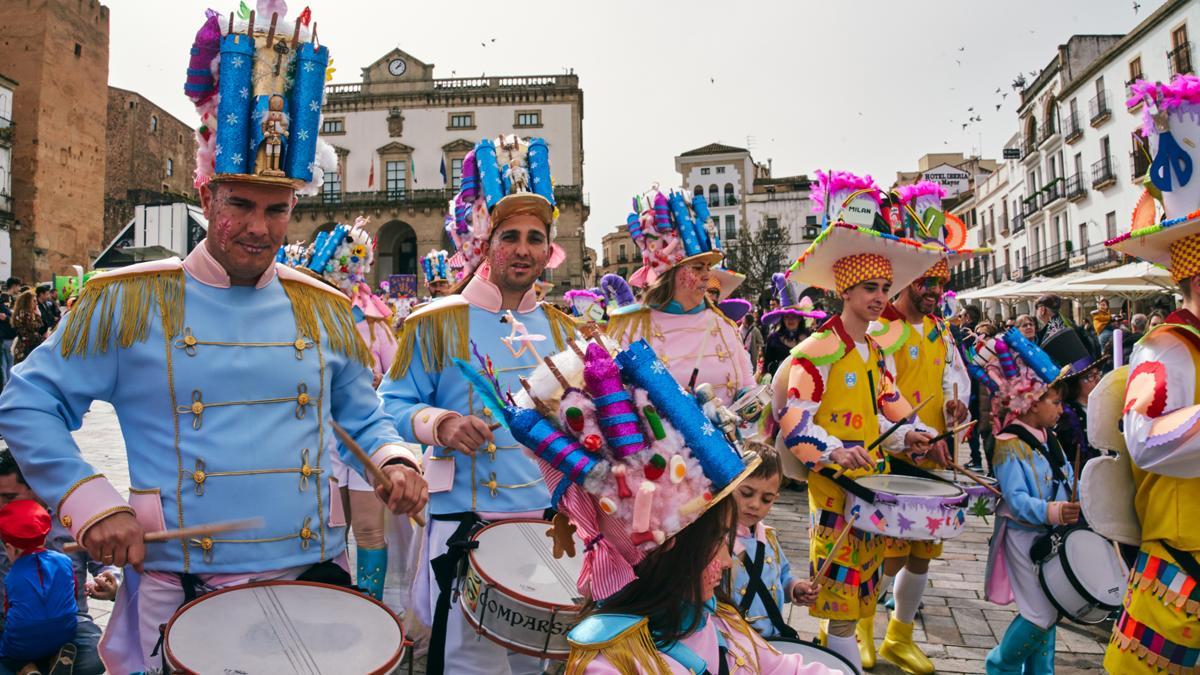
(58, 51)
(621, 256)
(151, 158)
(401, 135)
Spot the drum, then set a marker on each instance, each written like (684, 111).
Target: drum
(907, 507)
(284, 627)
(980, 500)
(517, 593)
(813, 653)
(1083, 576)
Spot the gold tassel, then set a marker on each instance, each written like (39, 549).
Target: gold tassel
(137, 295)
(315, 308)
(443, 334)
(562, 326)
(633, 651)
(624, 327)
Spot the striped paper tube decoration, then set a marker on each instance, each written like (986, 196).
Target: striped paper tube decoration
(615, 413)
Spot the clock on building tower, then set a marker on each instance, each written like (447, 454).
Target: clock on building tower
(397, 67)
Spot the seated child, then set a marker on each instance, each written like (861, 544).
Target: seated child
(40, 603)
(763, 579)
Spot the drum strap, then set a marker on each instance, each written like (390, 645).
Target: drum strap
(1185, 560)
(849, 485)
(446, 568)
(1052, 451)
(756, 587)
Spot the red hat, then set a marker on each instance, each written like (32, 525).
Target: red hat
(24, 524)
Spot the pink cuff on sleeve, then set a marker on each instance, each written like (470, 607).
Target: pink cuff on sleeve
(1054, 513)
(391, 452)
(425, 423)
(88, 502)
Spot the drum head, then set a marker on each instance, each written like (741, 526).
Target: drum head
(909, 485)
(284, 627)
(961, 479)
(813, 653)
(1096, 565)
(517, 556)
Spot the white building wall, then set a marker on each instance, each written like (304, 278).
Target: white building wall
(425, 131)
(792, 209)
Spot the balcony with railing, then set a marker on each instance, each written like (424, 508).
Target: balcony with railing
(1076, 187)
(1180, 59)
(1072, 128)
(1050, 260)
(1029, 205)
(1000, 273)
(1099, 256)
(1049, 131)
(1102, 173)
(1139, 164)
(1053, 191)
(1028, 146)
(473, 84)
(1098, 107)
(1018, 223)
(410, 198)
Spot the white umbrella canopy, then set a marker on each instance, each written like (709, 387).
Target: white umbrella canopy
(1137, 273)
(1043, 286)
(989, 292)
(1128, 291)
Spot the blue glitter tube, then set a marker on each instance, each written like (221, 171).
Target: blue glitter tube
(683, 222)
(539, 169)
(234, 154)
(641, 367)
(490, 183)
(1032, 355)
(325, 249)
(700, 208)
(554, 447)
(308, 92)
(635, 226)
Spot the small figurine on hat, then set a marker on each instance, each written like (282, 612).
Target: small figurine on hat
(436, 266)
(40, 616)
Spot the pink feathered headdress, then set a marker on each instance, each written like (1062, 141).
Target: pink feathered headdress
(836, 182)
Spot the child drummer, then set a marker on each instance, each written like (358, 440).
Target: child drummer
(1036, 479)
(841, 397)
(763, 580)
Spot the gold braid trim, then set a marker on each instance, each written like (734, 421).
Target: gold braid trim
(137, 294)
(443, 334)
(734, 621)
(562, 326)
(315, 308)
(624, 327)
(633, 651)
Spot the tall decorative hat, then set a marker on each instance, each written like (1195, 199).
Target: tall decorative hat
(585, 304)
(343, 257)
(257, 79)
(501, 178)
(925, 220)
(1171, 124)
(849, 251)
(670, 230)
(1017, 371)
(790, 304)
(436, 266)
(1067, 348)
(727, 280)
(628, 455)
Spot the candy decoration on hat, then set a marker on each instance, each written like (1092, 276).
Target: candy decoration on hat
(436, 267)
(670, 230)
(614, 406)
(201, 84)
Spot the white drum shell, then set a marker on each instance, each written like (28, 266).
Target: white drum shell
(813, 654)
(506, 616)
(1060, 580)
(884, 517)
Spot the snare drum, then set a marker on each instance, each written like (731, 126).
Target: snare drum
(284, 627)
(517, 593)
(979, 498)
(813, 653)
(907, 507)
(1083, 576)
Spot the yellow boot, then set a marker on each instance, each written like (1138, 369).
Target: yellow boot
(866, 641)
(823, 632)
(899, 648)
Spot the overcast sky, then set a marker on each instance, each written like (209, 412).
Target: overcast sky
(864, 86)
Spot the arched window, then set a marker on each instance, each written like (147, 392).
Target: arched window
(730, 200)
(153, 123)
(714, 197)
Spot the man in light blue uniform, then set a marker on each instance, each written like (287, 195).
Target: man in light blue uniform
(477, 473)
(226, 372)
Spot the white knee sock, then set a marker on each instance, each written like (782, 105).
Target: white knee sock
(847, 648)
(885, 582)
(909, 589)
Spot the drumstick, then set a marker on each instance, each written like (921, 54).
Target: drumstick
(952, 433)
(891, 430)
(954, 436)
(1075, 476)
(975, 477)
(185, 532)
(837, 543)
(377, 473)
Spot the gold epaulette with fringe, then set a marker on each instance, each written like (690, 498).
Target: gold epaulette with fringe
(444, 326)
(125, 300)
(316, 307)
(622, 327)
(631, 651)
(563, 326)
